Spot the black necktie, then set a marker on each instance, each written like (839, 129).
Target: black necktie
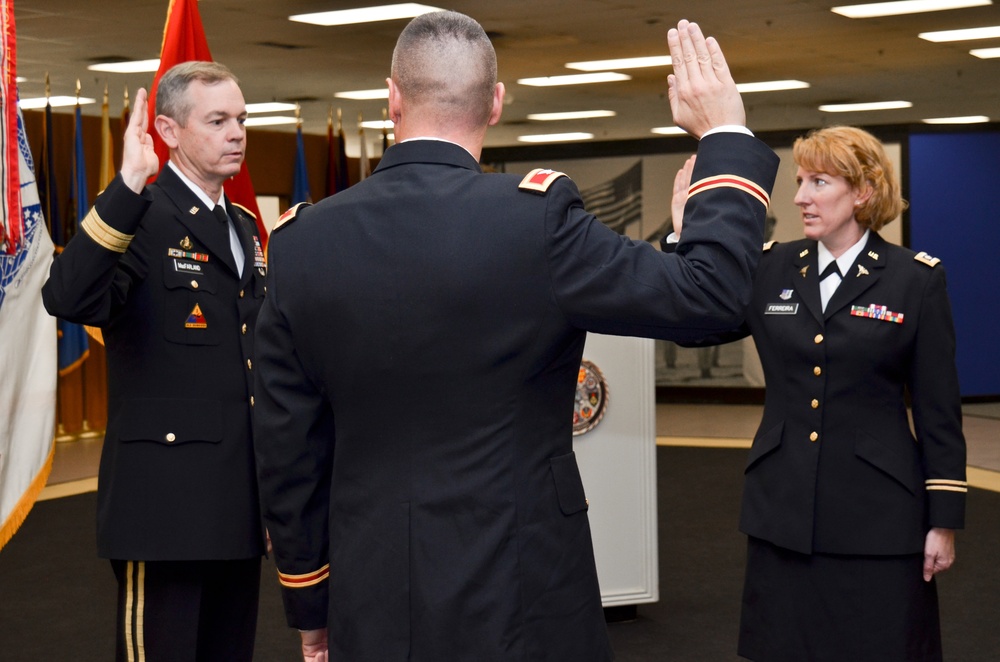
(830, 269)
(220, 214)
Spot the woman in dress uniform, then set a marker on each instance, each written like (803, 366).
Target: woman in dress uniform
(849, 514)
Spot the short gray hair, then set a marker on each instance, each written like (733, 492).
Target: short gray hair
(171, 92)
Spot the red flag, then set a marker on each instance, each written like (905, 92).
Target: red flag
(183, 41)
(11, 223)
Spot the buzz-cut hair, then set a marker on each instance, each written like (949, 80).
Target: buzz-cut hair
(445, 60)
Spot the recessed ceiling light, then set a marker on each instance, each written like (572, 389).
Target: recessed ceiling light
(861, 107)
(129, 67)
(991, 32)
(573, 115)
(575, 79)
(876, 9)
(56, 102)
(270, 107)
(365, 14)
(555, 137)
(270, 120)
(969, 119)
(669, 131)
(771, 86)
(985, 53)
(378, 124)
(621, 63)
(364, 95)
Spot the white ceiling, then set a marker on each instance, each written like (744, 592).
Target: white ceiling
(844, 60)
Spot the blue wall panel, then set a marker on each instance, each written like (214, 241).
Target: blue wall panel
(955, 215)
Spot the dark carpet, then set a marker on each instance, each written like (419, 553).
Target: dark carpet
(57, 599)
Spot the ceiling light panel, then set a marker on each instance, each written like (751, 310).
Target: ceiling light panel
(364, 14)
(575, 79)
(622, 63)
(877, 9)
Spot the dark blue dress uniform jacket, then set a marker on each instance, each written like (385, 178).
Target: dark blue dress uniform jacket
(177, 478)
(834, 466)
(418, 350)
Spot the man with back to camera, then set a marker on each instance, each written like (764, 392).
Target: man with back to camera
(417, 360)
(174, 276)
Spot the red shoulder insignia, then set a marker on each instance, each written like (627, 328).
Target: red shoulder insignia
(289, 215)
(539, 180)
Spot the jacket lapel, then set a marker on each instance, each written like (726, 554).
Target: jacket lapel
(862, 275)
(805, 279)
(200, 222)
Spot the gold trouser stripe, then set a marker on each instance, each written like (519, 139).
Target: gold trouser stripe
(103, 234)
(135, 598)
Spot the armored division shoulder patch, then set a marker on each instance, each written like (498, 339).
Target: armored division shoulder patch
(540, 179)
(926, 259)
(289, 215)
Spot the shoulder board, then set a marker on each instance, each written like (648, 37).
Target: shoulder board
(768, 245)
(926, 259)
(539, 180)
(289, 215)
(245, 210)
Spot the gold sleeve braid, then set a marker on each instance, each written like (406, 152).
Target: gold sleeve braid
(103, 234)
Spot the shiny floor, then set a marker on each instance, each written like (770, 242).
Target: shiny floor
(74, 469)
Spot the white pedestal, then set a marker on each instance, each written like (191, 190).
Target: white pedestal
(618, 462)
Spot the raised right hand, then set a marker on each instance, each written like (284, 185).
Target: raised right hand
(139, 160)
(702, 92)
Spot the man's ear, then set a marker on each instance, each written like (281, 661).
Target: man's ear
(395, 104)
(167, 128)
(498, 94)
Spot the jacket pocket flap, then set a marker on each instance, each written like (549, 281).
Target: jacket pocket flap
(764, 444)
(181, 274)
(171, 421)
(889, 461)
(569, 485)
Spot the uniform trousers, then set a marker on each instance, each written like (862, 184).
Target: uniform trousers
(186, 611)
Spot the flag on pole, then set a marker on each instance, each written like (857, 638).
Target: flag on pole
(47, 187)
(28, 351)
(336, 171)
(107, 146)
(183, 41)
(10, 223)
(364, 168)
(385, 129)
(617, 202)
(73, 345)
(300, 185)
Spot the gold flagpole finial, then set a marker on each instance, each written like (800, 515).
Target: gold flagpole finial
(298, 114)
(329, 117)
(48, 87)
(340, 120)
(126, 98)
(78, 91)
(361, 119)
(105, 93)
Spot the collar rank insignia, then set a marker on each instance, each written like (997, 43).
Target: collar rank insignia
(861, 271)
(196, 320)
(873, 255)
(539, 180)
(876, 312)
(804, 253)
(926, 259)
(803, 270)
(186, 243)
(785, 295)
(193, 211)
